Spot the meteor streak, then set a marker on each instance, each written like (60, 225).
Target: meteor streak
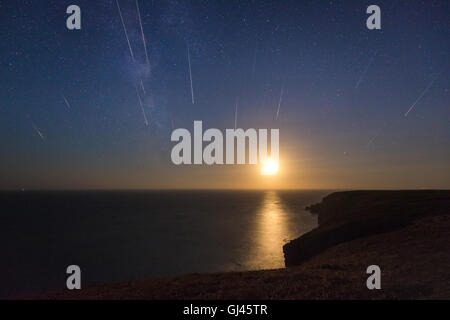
(254, 61)
(142, 107)
(142, 32)
(143, 88)
(190, 75)
(372, 139)
(422, 94)
(67, 102)
(281, 100)
(125, 30)
(235, 113)
(365, 70)
(38, 131)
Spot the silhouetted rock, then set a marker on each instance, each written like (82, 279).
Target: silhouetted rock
(345, 216)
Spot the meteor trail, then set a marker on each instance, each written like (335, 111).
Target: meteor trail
(125, 30)
(142, 32)
(143, 88)
(142, 107)
(190, 75)
(67, 102)
(235, 113)
(279, 102)
(372, 139)
(38, 131)
(254, 61)
(365, 70)
(422, 94)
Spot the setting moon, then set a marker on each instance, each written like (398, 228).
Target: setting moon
(269, 167)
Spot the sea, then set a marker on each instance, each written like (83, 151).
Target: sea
(117, 236)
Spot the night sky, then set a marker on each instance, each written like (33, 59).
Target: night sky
(70, 116)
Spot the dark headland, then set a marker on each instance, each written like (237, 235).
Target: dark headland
(406, 233)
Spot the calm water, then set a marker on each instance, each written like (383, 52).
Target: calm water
(117, 236)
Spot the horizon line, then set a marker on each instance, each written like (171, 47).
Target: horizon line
(221, 189)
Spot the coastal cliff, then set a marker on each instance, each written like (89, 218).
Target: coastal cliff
(345, 216)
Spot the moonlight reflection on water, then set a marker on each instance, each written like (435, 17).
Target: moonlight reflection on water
(275, 224)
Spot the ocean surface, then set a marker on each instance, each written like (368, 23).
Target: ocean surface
(121, 236)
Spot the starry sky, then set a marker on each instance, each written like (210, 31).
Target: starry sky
(70, 115)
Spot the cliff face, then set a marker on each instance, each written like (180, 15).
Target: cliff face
(345, 216)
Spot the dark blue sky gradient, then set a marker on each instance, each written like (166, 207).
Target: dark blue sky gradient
(333, 132)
